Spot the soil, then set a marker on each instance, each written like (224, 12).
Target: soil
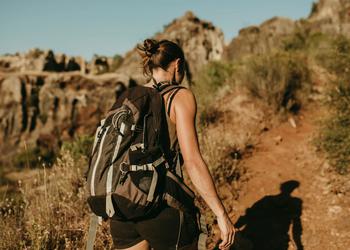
(307, 207)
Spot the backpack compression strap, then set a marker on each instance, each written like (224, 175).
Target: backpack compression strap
(203, 236)
(94, 221)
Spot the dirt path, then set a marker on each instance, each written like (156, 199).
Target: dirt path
(285, 154)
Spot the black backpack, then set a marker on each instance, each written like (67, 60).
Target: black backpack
(132, 172)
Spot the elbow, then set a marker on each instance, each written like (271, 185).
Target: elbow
(194, 162)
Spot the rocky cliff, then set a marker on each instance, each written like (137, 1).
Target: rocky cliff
(40, 100)
(331, 16)
(35, 104)
(327, 16)
(200, 40)
(36, 60)
(52, 106)
(260, 39)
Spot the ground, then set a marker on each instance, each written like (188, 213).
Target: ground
(320, 216)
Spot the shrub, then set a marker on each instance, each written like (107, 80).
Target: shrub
(296, 41)
(215, 76)
(279, 79)
(307, 42)
(208, 81)
(337, 58)
(334, 135)
(81, 146)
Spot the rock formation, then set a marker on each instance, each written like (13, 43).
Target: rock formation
(327, 16)
(36, 60)
(35, 104)
(41, 104)
(52, 105)
(260, 39)
(331, 16)
(200, 40)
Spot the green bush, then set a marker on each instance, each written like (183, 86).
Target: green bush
(337, 58)
(310, 43)
(334, 136)
(296, 41)
(81, 146)
(279, 79)
(208, 81)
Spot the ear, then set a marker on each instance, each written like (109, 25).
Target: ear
(178, 64)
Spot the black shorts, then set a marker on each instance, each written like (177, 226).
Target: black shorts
(161, 231)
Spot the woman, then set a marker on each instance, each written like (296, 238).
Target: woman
(164, 61)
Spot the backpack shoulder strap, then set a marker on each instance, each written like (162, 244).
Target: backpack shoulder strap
(171, 96)
(167, 88)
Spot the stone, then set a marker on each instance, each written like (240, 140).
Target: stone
(278, 139)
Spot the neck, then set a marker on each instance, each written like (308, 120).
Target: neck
(161, 76)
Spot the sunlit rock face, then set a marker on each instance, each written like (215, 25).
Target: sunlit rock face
(331, 16)
(201, 41)
(259, 39)
(55, 105)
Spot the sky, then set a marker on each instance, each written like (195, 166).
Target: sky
(109, 27)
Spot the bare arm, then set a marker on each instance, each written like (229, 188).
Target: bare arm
(185, 109)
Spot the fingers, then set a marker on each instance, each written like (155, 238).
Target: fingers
(224, 241)
(227, 239)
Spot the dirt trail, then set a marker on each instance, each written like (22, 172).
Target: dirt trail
(284, 154)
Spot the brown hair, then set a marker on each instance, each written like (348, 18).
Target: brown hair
(159, 54)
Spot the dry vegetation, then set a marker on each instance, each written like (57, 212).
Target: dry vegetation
(334, 137)
(236, 101)
(50, 210)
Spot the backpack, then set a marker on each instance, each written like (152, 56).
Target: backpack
(132, 172)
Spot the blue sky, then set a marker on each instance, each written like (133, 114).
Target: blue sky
(109, 27)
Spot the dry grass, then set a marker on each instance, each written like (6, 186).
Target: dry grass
(52, 212)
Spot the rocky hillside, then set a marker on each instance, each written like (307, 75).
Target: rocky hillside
(260, 39)
(331, 16)
(41, 100)
(200, 40)
(36, 60)
(52, 106)
(327, 16)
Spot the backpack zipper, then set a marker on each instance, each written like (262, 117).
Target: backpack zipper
(100, 142)
(109, 204)
(145, 145)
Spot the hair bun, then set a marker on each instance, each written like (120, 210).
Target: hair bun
(150, 46)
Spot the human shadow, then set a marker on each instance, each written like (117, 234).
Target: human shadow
(267, 223)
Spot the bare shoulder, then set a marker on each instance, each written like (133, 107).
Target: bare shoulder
(185, 96)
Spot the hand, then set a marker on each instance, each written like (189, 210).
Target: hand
(227, 231)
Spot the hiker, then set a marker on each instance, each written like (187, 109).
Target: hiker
(164, 62)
